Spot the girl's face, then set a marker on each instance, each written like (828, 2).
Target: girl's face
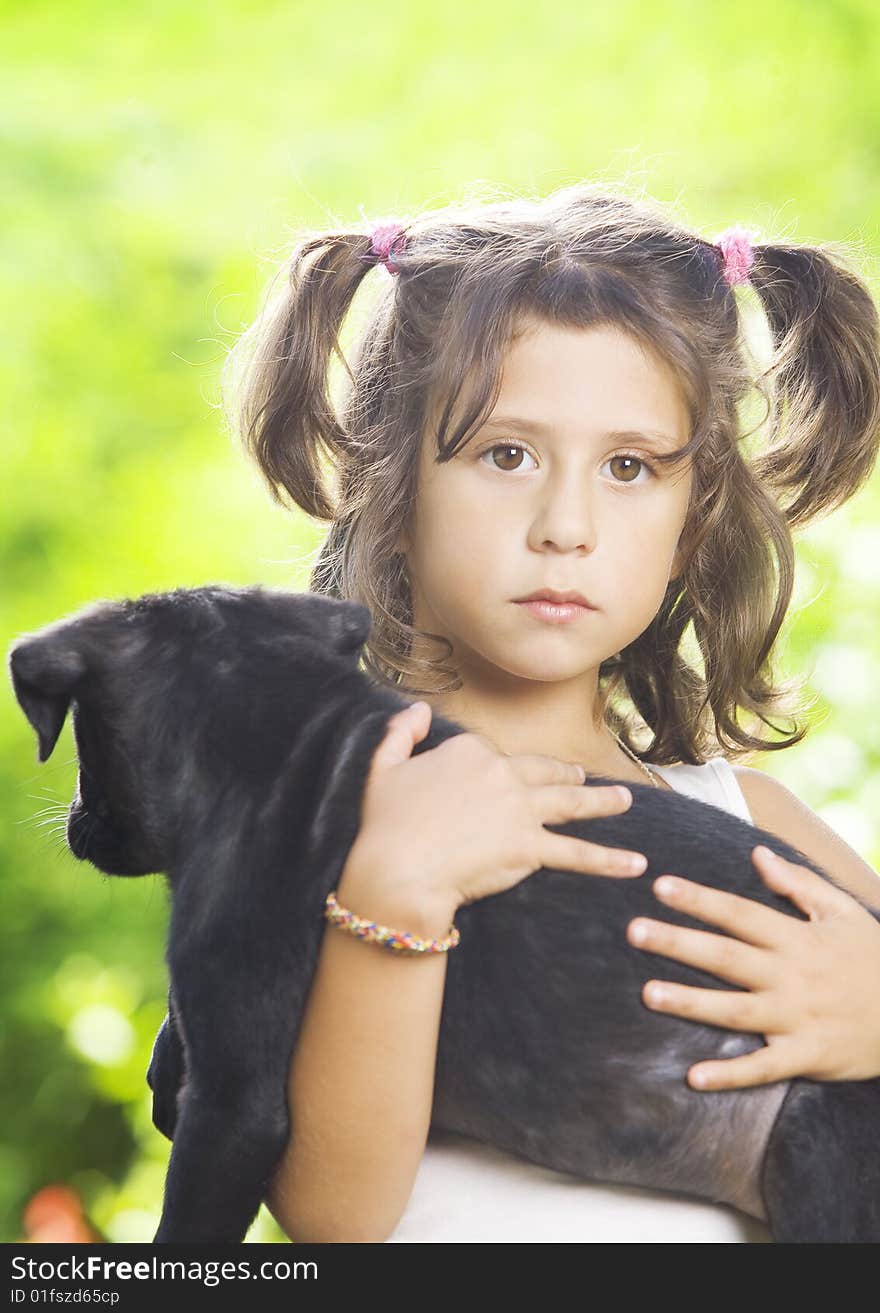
(549, 494)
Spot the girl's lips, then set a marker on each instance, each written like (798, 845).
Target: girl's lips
(555, 613)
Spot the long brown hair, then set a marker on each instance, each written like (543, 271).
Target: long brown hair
(426, 364)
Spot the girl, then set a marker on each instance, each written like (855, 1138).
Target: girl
(545, 402)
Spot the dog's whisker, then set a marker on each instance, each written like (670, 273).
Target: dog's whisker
(42, 811)
(45, 835)
(48, 825)
(33, 821)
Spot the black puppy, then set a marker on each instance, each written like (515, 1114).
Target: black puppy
(224, 737)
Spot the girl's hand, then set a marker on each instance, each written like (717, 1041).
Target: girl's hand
(811, 986)
(464, 820)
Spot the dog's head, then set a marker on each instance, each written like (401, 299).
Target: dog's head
(171, 695)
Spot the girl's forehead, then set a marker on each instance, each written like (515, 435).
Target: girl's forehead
(570, 378)
(589, 385)
(546, 352)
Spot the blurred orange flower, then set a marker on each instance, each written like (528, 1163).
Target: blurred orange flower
(55, 1215)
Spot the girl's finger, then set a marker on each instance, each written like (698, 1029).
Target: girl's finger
(557, 803)
(715, 1007)
(404, 730)
(812, 893)
(567, 853)
(743, 917)
(719, 954)
(762, 1066)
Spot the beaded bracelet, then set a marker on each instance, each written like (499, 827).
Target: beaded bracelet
(400, 941)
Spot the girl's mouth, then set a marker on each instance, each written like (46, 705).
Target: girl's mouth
(555, 613)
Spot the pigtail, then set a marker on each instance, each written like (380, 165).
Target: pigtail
(281, 406)
(825, 379)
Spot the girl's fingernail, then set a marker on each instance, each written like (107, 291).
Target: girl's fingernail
(769, 855)
(666, 887)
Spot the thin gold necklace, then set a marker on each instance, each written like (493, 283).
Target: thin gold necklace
(641, 765)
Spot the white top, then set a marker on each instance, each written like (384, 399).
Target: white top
(469, 1192)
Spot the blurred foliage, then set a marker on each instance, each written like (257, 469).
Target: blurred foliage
(156, 161)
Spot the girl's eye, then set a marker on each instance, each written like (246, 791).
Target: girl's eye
(627, 461)
(507, 448)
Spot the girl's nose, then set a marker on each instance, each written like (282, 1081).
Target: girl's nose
(566, 517)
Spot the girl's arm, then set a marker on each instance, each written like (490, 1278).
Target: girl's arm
(362, 1075)
(776, 809)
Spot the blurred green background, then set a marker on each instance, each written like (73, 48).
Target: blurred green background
(157, 160)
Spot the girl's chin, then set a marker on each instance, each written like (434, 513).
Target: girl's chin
(545, 667)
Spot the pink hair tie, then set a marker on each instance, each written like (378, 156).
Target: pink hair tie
(737, 254)
(386, 237)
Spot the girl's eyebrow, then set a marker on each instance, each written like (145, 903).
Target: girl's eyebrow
(654, 437)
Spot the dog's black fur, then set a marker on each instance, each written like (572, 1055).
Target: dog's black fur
(224, 737)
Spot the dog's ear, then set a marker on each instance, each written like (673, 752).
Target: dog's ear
(350, 625)
(45, 671)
